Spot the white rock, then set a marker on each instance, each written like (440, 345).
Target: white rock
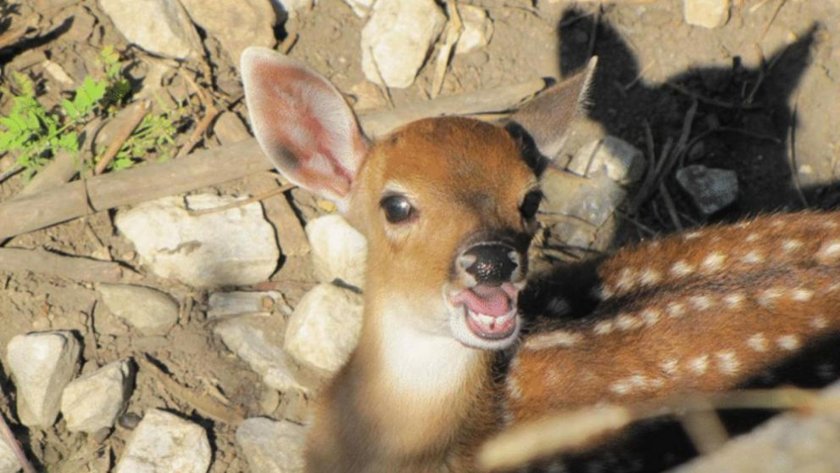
(618, 159)
(706, 13)
(325, 327)
(8, 461)
(232, 247)
(222, 305)
(478, 29)
(272, 446)
(160, 27)
(42, 364)
(711, 189)
(264, 357)
(237, 24)
(397, 39)
(338, 250)
(164, 443)
(360, 7)
(148, 310)
(93, 401)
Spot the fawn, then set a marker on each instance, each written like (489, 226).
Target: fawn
(448, 206)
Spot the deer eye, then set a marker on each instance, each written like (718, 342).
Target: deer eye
(397, 208)
(530, 204)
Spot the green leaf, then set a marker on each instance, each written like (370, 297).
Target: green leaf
(69, 141)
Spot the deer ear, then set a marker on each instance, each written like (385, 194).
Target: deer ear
(547, 117)
(302, 124)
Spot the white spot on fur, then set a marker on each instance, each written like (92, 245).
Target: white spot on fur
(650, 277)
(769, 296)
(777, 223)
(675, 310)
(829, 224)
(802, 295)
(829, 251)
(788, 342)
(604, 327)
(819, 322)
(752, 237)
(628, 322)
(700, 302)
(727, 362)
(621, 388)
(692, 235)
(513, 389)
(626, 279)
(670, 366)
(733, 300)
(557, 338)
(791, 245)
(753, 257)
(650, 316)
(758, 342)
(713, 262)
(699, 365)
(681, 268)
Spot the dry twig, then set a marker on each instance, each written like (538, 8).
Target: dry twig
(131, 123)
(453, 32)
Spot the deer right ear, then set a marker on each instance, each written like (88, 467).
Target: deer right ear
(547, 117)
(302, 124)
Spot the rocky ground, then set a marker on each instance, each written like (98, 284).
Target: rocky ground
(155, 306)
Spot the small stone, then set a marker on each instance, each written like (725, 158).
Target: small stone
(269, 445)
(222, 305)
(160, 27)
(360, 7)
(234, 247)
(325, 327)
(478, 29)
(164, 442)
(591, 201)
(338, 250)
(230, 129)
(397, 39)
(616, 158)
(711, 189)
(236, 24)
(94, 401)
(8, 461)
(706, 13)
(41, 364)
(265, 357)
(148, 310)
(368, 97)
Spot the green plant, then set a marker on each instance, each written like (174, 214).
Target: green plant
(155, 132)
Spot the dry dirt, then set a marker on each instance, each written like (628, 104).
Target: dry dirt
(767, 86)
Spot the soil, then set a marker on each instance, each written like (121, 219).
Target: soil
(766, 87)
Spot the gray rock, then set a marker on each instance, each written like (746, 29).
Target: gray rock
(237, 24)
(592, 200)
(8, 461)
(616, 158)
(222, 305)
(264, 356)
(164, 442)
(397, 39)
(160, 27)
(478, 29)
(148, 310)
(706, 13)
(711, 189)
(234, 247)
(338, 250)
(93, 401)
(41, 364)
(325, 327)
(272, 446)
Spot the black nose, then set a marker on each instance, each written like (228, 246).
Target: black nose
(490, 263)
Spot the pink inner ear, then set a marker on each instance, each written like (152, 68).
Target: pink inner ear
(305, 126)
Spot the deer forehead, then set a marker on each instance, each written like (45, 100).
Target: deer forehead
(452, 160)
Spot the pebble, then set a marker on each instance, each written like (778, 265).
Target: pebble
(41, 363)
(95, 400)
(272, 446)
(163, 443)
(711, 189)
(339, 251)
(150, 311)
(234, 247)
(478, 29)
(706, 13)
(397, 38)
(223, 305)
(324, 328)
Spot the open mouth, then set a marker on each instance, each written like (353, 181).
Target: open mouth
(489, 310)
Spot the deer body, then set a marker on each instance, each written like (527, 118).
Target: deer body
(447, 206)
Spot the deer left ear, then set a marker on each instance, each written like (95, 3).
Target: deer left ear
(303, 124)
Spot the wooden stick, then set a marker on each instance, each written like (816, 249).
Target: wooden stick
(132, 120)
(71, 267)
